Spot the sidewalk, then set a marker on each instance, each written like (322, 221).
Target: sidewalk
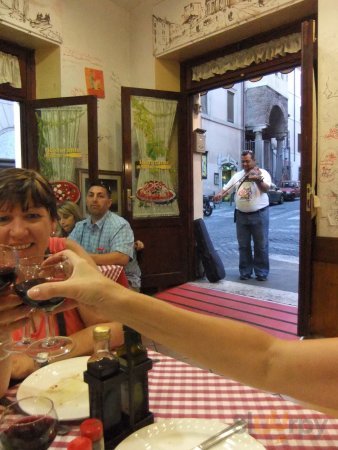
(282, 283)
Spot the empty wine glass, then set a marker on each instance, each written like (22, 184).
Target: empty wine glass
(29, 423)
(32, 271)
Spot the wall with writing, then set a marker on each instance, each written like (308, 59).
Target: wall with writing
(327, 171)
(90, 35)
(96, 36)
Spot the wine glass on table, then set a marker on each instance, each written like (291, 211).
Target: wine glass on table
(32, 271)
(27, 424)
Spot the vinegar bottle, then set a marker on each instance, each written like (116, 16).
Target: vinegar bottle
(104, 379)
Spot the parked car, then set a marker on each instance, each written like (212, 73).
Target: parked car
(290, 189)
(275, 195)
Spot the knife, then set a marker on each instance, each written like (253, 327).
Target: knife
(221, 435)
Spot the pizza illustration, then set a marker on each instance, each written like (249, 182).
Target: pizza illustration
(155, 191)
(65, 190)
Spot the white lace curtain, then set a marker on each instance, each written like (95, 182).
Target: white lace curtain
(10, 70)
(244, 58)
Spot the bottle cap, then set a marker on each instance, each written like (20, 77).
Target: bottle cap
(80, 443)
(92, 428)
(101, 332)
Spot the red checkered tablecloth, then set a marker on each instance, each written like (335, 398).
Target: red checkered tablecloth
(178, 390)
(115, 273)
(111, 271)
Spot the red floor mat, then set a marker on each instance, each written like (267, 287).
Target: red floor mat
(277, 319)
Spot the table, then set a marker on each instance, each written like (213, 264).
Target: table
(179, 390)
(115, 273)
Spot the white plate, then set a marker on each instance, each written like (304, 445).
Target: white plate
(63, 383)
(184, 434)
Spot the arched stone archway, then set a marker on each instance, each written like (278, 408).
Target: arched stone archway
(276, 152)
(266, 124)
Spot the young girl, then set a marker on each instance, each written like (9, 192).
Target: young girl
(68, 214)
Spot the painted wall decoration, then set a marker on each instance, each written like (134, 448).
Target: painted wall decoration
(34, 17)
(175, 26)
(94, 82)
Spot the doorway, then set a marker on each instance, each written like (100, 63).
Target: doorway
(10, 134)
(264, 117)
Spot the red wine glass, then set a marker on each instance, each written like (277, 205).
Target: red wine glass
(8, 274)
(33, 271)
(8, 266)
(29, 423)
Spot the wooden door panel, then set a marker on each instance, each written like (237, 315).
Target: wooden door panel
(164, 227)
(164, 247)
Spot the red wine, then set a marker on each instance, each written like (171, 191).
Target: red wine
(29, 433)
(7, 276)
(22, 288)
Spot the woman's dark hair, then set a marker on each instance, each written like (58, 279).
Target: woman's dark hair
(26, 187)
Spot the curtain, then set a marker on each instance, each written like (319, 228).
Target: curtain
(58, 132)
(10, 70)
(156, 165)
(244, 58)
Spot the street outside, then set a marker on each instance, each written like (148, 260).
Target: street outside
(283, 244)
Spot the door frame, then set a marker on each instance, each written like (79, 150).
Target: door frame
(305, 59)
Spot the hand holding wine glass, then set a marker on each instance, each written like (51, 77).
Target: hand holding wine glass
(29, 423)
(33, 271)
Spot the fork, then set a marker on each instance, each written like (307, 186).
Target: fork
(236, 427)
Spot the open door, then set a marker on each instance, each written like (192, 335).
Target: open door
(158, 183)
(61, 135)
(308, 178)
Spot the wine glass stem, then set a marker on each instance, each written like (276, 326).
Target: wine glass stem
(26, 334)
(50, 330)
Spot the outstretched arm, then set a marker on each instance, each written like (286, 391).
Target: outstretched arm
(305, 370)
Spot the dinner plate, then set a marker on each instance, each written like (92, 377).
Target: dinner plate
(62, 382)
(185, 434)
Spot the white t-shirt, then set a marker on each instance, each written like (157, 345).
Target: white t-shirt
(248, 196)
